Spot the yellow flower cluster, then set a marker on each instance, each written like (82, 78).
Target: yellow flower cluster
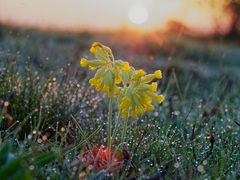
(109, 70)
(137, 97)
(118, 79)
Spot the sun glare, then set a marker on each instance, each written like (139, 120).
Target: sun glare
(138, 14)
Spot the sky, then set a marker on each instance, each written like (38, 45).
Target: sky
(111, 14)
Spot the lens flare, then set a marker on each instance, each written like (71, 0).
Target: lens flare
(138, 14)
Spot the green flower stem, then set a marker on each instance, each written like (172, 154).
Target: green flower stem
(110, 116)
(1, 117)
(117, 124)
(124, 131)
(110, 111)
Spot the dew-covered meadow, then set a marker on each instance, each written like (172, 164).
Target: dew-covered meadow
(131, 121)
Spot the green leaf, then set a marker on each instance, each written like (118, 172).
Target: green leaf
(11, 168)
(23, 176)
(1, 117)
(45, 158)
(3, 152)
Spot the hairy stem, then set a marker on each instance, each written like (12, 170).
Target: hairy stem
(116, 126)
(110, 111)
(124, 130)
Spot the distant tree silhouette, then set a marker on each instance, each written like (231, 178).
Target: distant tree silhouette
(1, 31)
(234, 6)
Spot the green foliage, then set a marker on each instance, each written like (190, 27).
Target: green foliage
(21, 166)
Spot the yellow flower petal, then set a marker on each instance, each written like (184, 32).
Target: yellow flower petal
(140, 73)
(105, 89)
(118, 80)
(125, 103)
(92, 68)
(96, 82)
(153, 87)
(150, 107)
(126, 66)
(94, 47)
(84, 62)
(160, 99)
(158, 74)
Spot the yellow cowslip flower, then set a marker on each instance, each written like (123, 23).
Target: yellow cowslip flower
(104, 81)
(93, 64)
(137, 96)
(156, 75)
(94, 47)
(109, 72)
(126, 66)
(84, 62)
(153, 87)
(140, 73)
(101, 52)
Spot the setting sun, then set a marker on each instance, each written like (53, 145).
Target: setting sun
(138, 14)
(77, 15)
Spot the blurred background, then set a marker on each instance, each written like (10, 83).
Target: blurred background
(194, 35)
(200, 16)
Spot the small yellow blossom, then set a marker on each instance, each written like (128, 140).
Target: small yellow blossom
(126, 66)
(159, 99)
(94, 47)
(140, 73)
(153, 87)
(158, 74)
(93, 64)
(148, 78)
(101, 52)
(118, 80)
(83, 62)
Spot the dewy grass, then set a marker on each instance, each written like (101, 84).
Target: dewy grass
(158, 142)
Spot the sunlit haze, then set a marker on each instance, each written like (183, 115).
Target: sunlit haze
(138, 14)
(108, 15)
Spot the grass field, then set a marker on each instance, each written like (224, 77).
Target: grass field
(50, 115)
